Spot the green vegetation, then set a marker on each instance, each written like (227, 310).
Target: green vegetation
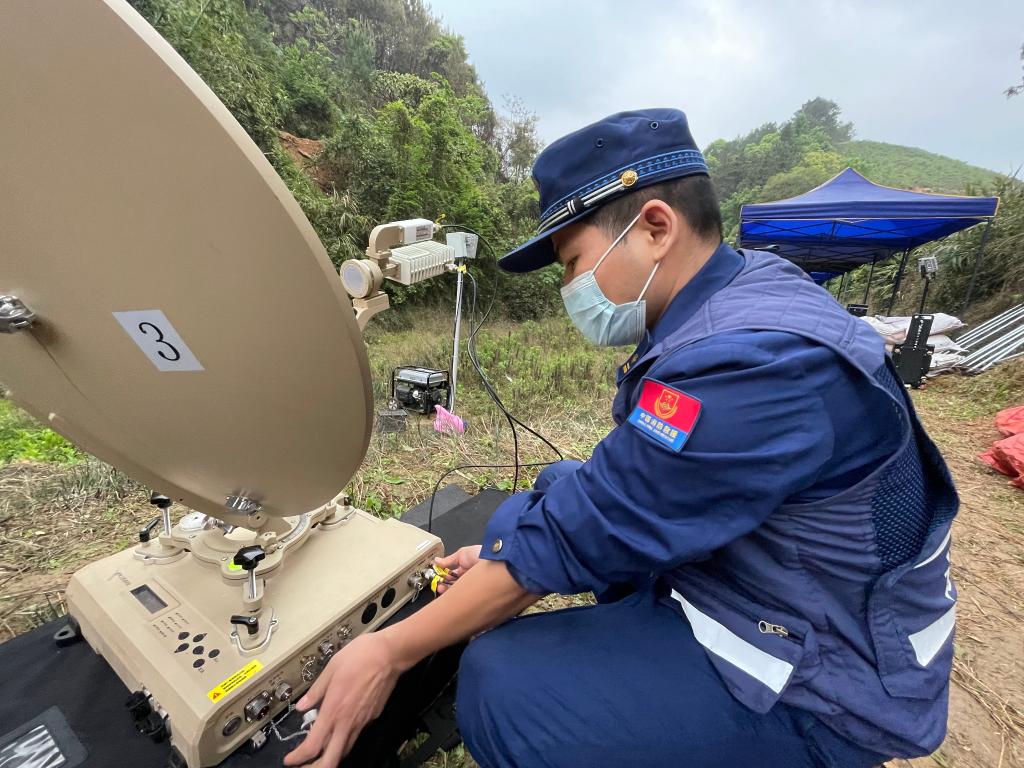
(912, 168)
(403, 121)
(23, 439)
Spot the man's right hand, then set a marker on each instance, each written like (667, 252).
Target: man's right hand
(457, 563)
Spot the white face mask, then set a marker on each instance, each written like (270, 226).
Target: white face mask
(600, 320)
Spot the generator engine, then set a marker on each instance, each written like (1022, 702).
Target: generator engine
(420, 389)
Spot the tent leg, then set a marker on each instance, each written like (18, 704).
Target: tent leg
(871, 274)
(899, 279)
(977, 264)
(842, 285)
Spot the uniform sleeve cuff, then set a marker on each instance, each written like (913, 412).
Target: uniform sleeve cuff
(499, 541)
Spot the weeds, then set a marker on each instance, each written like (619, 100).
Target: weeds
(22, 439)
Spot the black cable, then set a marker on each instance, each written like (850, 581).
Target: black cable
(473, 332)
(489, 388)
(430, 512)
(494, 395)
(471, 351)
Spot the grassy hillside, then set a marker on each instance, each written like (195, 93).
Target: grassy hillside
(912, 168)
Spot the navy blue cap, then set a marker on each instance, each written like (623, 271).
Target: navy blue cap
(605, 160)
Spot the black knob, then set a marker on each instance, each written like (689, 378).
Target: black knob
(159, 500)
(138, 705)
(147, 533)
(249, 557)
(251, 623)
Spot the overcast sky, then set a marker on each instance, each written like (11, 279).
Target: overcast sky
(926, 73)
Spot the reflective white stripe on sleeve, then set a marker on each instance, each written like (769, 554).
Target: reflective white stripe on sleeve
(929, 641)
(727, 645)
(937, 552)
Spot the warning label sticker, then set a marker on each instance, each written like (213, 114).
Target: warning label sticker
(229, 684)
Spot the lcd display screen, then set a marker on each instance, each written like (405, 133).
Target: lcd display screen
(149, 598)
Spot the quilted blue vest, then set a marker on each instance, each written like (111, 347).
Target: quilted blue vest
(842, 607)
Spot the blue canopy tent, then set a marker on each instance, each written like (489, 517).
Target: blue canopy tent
(849, 221)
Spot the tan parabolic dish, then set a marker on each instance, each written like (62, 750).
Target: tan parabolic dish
(126, 186)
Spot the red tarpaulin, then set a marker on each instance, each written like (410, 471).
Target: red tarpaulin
(1007, 455)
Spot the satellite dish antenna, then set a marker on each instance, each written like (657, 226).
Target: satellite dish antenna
(179, 317)
(165, 304)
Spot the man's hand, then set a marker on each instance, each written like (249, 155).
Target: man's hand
(353, 688)
(351, 691)
(457, 563)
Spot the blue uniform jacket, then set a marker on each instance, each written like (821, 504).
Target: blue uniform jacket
(781, 419)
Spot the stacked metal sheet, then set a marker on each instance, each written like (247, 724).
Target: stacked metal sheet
(994, 341)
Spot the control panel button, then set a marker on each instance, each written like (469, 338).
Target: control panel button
(199, 638)
(198, 663)
(182, 647)
(198, 650)
(214, 653)
(182, 635)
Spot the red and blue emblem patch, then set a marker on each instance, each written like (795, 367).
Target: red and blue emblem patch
(665, 414)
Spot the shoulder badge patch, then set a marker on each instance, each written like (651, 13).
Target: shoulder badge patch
(665, 414)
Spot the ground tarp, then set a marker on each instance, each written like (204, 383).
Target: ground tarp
(1007, 455)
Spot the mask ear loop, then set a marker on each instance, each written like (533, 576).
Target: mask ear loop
(648, 283)
(615, 242)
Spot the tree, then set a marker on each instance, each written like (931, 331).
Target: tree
(1016, 90)
(824, 114)
(516, 139)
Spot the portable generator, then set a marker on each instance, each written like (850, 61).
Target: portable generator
(420, 389)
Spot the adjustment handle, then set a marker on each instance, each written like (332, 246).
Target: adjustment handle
(147, 532)
(249, 557)
(251, 623)
(159, 500)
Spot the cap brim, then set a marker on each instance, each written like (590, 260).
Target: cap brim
(537, 252)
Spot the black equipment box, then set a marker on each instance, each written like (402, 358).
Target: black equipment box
(420, 389)
(857, 310)
(913, 358)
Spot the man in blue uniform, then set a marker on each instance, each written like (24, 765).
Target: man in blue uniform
(767, 527)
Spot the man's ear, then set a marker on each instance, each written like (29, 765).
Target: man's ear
(660, 226)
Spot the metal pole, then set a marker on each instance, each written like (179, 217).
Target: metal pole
(899, 279)
(842, 284)
(977, 264)
(924, 295)
(871, 274)
(461, 271)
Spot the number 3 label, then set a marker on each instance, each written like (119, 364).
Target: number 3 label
(154, 334)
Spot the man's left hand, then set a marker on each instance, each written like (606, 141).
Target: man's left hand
(351, 691)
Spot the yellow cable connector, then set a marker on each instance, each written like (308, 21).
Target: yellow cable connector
(439, 575)
(439, 219)
(461, 268)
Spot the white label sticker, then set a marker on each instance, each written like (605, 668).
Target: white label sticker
(153, 332)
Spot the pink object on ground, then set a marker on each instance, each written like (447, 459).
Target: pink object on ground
(1007, 455)
(1010, 421)
(446, 421)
